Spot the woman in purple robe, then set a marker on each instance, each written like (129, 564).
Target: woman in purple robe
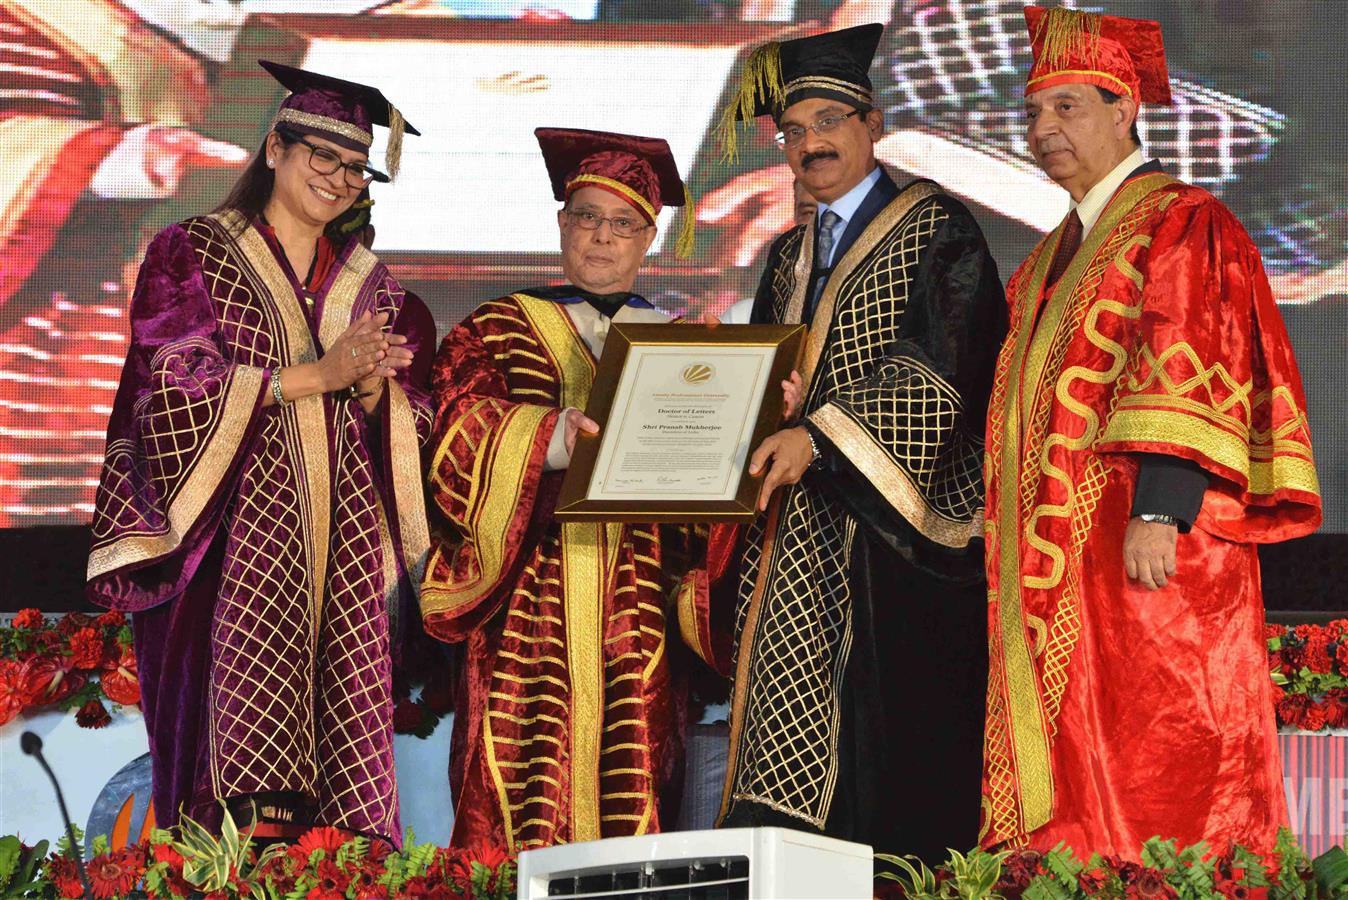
(260, 507)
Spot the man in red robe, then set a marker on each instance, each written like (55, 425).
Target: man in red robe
(1147, 430)
(568, 720)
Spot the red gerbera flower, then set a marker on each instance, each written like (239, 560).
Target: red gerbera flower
(324, 837)
(332, 881)
(28, 619)
(86, 648)
(61, 870)
(93, 715)
(112, 874)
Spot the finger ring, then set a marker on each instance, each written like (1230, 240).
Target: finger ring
(354, 354)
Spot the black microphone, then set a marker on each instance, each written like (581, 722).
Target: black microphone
(31, 744)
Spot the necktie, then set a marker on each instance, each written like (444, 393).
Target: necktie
(1067, 248)
(826, 224)
(822, 259)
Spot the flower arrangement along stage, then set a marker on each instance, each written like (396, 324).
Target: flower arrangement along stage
(1164, 871)
(324, 864)
(77, 662)
(1309, 664)
(328, 864)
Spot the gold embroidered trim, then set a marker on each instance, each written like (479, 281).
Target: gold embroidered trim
(498, 480)
(640, 202)
(324, 123)
(570, 357)
(245, 386)
(1180, 429)
(1123, 90)
(307, 416)
(589, 555)
(891, 481)
(1024, 715)
(405, 450)
(879, 229)
(821, 82)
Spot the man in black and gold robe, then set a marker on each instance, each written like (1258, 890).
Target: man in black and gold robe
(861, 657)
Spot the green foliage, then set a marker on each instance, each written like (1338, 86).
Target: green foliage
(972, 877)
(20, 871)
(1192, 877)
(1331, 873)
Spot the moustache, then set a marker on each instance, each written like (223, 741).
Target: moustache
(811, 158)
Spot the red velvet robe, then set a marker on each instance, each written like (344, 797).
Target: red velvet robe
(1116, 713)
(568, 722)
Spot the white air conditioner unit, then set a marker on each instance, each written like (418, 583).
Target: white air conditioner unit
(730, 864)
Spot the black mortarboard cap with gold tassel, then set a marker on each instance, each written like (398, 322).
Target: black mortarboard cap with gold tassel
(834, 65)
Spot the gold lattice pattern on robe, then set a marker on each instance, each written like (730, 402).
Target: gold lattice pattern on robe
(262, 692)
(784, 273)
(908, 409)
(788, 745)
(355, 761)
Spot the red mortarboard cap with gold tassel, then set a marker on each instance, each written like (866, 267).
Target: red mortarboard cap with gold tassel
(1125, 56)
(640, 170)
(339, 111)
(834, 65)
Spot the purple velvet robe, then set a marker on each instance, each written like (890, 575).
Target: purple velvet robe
(264, 551)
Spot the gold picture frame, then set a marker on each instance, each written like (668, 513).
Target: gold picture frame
(677, 448)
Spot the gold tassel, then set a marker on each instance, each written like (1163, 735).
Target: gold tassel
(1064, 31)
(393, 153)
(760, 80)
(683, 247)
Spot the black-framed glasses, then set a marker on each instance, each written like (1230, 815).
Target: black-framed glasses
(622, 226)
(792, 135)
(325, 162)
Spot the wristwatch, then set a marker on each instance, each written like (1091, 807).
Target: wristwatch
(1159, 519)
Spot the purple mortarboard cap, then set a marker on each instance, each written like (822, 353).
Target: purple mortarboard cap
(340, 111)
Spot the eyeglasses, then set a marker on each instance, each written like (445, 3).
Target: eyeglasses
(325, 162)
(622, 226)
(792, 135)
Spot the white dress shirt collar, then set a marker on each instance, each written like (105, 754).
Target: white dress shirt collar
(1096, 198)
(847, 205)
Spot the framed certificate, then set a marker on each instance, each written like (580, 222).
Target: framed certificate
(680, 409)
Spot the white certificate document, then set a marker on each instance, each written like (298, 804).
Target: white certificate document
(681, 422)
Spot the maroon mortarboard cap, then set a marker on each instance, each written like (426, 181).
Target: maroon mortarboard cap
(640, 170)
(338, 110)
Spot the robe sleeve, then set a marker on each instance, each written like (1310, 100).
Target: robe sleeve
(704, 563)
(1212, 378)
(182, 421)
(486, 464)
(907, 437)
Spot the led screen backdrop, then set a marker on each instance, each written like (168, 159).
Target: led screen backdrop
(120, 116)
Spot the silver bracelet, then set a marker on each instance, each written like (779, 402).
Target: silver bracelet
(814, 447)
(276, 386)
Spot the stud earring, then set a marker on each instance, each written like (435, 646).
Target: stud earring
(271, 164)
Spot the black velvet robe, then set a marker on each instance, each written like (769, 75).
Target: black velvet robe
(862, 656)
